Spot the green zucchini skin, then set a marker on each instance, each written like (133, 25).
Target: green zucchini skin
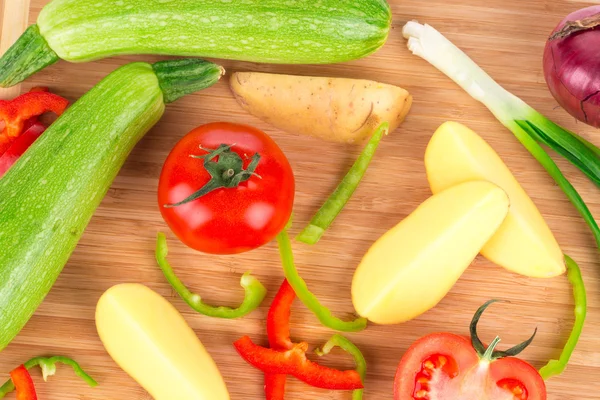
(273, 31)
(48, 197)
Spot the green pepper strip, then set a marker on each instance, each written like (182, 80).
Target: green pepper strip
(336, 202)
(556, 367)
(255, 292)
(307, 297)
(350, 348)
(48, 366)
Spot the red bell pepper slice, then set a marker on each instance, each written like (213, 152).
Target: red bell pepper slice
(16, 112)
(19, 146)
(294, 362)
(278, 330)
(278, 318)
(23, 383)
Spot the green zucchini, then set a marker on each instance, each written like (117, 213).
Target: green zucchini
(48, 197)
(269, 31)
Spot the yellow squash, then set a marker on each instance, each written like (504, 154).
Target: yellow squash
(524, 243)
(414, 265)
(151, 341)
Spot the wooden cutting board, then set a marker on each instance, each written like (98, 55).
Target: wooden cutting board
(506, 37)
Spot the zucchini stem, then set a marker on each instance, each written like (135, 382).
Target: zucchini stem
(28, 55)
(178, 78)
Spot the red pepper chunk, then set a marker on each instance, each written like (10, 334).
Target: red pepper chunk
(294, 362)
(278, 330)
(23, 383)
(19, 146)
(15, 113)
(278, 318)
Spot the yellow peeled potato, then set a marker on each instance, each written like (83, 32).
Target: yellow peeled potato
(413, 266)
(333, 109)
(524, 243)
(149, 339)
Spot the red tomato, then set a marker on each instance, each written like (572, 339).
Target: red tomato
(444, 366)
(227, 220)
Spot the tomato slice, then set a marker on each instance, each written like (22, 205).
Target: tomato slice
(444, 366)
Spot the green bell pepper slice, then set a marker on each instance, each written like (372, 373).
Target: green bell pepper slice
(255, 292)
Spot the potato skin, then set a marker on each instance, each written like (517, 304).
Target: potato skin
(333, 109)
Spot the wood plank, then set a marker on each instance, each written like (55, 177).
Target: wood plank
(14, 18)
(507, 38)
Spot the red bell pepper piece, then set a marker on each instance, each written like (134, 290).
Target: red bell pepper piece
(278, 330)
(19, 146)
(294, 362)
(23, 383)
(278, 318)
(15, 113)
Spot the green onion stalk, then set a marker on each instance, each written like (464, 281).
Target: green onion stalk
(531, 129)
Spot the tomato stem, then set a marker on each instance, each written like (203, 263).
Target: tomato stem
(227, 172)
(488, 355)
(496, 354)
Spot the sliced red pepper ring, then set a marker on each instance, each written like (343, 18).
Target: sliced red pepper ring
(294, 362)
(278, 330)
(15, 113)
(23, 383)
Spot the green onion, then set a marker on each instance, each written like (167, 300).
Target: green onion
(529, 126)
(338, 199)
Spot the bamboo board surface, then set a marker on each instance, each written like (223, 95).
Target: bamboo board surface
(506, 37)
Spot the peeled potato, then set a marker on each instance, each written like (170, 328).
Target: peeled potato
(333, 109)
(414, 265)
(150, 340)
(524, 243)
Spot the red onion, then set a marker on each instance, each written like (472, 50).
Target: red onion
(572, 64)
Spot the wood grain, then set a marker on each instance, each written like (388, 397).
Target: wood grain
(506, 37)
(15, 15)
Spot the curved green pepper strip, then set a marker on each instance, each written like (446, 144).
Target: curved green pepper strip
(338, 199)
(350, 348)
(48, 366)
(556, 367)
(255, 292)
(306, 296)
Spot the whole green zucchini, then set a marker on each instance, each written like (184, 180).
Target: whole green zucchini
(268, 31)
(48, 197)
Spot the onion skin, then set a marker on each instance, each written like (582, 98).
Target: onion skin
(572, 69)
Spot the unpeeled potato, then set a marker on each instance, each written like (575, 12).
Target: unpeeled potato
(333, 109)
